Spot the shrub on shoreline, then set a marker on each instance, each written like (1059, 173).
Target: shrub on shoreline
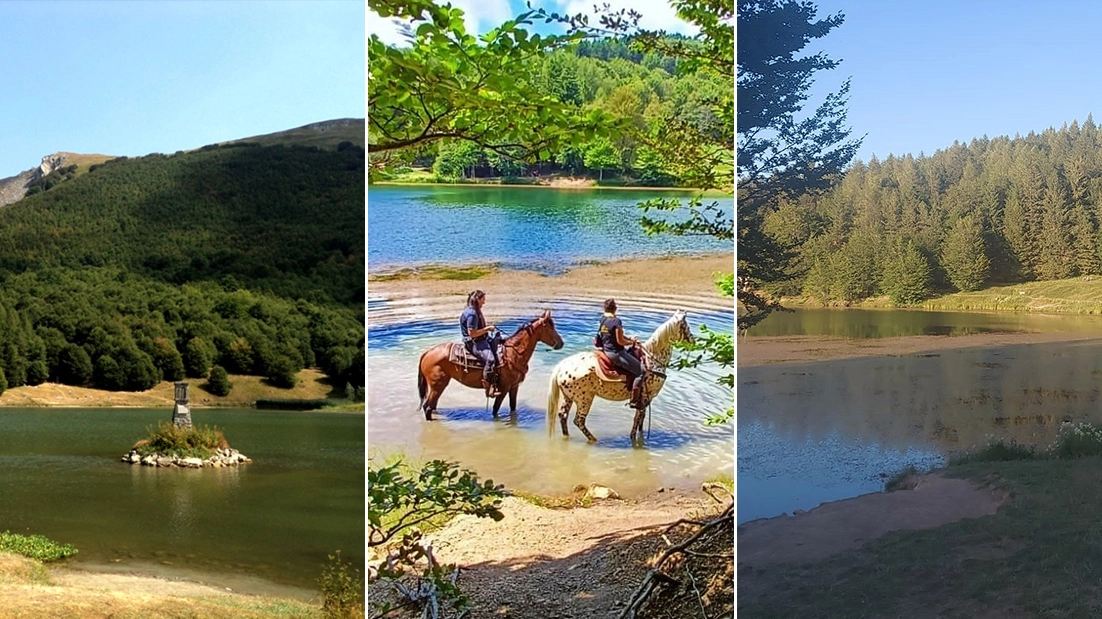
(36, 547)
(219, 382)
(1072, 441)
(195, 442)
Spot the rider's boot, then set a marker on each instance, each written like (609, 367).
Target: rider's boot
(637, 397)
(491, 386)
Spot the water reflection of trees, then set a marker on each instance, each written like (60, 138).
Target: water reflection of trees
(185, 496)
(876, 323)
(952, 400)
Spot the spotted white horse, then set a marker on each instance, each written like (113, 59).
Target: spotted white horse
(578, 379)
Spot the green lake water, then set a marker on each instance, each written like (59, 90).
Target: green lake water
(264, 527)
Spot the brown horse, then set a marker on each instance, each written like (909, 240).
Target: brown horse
(436, 371)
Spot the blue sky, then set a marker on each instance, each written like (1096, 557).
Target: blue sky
(132, 77)
(927, 73)
(484, 15)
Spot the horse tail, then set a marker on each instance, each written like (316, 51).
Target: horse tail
(422, 384)
(553, 393)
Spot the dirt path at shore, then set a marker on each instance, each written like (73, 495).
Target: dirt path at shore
(311, 385)
(923, 502)
(540, 563)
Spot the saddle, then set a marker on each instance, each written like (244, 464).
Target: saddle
(459, 355)
(612, 372)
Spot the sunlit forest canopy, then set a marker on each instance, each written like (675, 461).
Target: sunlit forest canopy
(284, 219)
(160, 267)
(990, 211)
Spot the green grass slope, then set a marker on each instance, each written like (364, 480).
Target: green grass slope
(1077, 295)
(326, 134)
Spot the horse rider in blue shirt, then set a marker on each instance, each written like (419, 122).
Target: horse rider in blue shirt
(477, 340)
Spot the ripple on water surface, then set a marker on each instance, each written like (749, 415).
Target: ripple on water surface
(681, 450)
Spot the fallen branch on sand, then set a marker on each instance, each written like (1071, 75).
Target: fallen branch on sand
(655, 576)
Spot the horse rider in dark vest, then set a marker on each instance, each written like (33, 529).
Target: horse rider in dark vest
(614, 343)
(477, 340)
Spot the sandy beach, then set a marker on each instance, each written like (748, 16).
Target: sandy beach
(688, 275)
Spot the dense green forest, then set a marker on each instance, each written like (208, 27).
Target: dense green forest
(605, 74)
(160, 267)
(996, 210)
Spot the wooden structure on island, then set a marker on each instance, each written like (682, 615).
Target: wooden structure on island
(181, 414)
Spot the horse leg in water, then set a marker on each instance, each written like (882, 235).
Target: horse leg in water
(513, 402)
(564, 413)
(437, 381)
(637, 425)
(579, 417)
(497, 403)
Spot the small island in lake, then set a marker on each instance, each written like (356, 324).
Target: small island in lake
(179, 443)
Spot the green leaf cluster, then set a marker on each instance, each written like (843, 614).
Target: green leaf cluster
(35, 547)
(402, 501)
(219, 382)
(451, 84)
(341, 589)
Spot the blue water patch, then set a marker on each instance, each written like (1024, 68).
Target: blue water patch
(778, 474)
(545, 230)
(575, 326)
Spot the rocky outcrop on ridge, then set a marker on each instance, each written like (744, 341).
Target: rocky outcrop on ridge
(12, 189)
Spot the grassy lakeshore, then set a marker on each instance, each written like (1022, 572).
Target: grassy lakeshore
(1039, 555)
(1076, 295)
(540, 183)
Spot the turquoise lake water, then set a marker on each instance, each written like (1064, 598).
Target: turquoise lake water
(518, 227)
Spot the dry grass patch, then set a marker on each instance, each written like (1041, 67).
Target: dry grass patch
(15, 569)
(74, 603)
(311, 384)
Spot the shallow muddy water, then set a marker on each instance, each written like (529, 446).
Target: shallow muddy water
(821, 431)
(681, 450)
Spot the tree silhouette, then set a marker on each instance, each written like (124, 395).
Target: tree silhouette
(780, 156)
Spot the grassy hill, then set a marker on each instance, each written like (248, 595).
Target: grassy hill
(83, 161)
(326, 134)
(289, 220)
(123, 273)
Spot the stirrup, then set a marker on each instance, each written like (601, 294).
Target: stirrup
(491, 389)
